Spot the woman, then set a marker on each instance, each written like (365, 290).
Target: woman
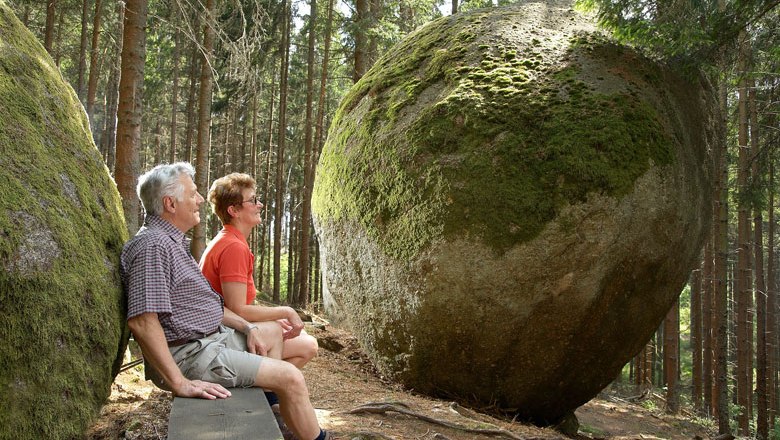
(228, 265)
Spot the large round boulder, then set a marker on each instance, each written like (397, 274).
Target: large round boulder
(61, 231)
(508, 203)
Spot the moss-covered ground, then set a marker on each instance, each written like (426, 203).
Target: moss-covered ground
(460, 130)
(61, 230)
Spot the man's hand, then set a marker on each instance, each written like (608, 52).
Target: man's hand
(255, 343)
(201, 390)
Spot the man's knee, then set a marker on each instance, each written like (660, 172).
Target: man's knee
(281, 377)
(311, 347)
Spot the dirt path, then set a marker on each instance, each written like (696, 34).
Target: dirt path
(340, 380)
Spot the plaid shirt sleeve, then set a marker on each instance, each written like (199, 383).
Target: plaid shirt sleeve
(148, 281)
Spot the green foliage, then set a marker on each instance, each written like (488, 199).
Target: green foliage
(692, 31)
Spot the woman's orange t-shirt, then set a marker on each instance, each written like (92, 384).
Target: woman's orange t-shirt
(228, 258)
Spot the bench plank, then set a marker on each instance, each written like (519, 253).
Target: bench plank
(244, 415)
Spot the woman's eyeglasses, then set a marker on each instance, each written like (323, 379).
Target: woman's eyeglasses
(255, 200)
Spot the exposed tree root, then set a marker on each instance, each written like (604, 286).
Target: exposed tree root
(384, 407)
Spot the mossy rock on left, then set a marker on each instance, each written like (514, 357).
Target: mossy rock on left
(61, 231)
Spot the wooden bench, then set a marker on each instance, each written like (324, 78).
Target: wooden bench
(244, 415)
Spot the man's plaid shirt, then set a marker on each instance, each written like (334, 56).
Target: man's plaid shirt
(160, 276)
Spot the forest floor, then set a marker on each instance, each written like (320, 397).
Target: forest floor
(341, 379)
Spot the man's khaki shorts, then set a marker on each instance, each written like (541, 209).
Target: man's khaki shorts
(220, 358)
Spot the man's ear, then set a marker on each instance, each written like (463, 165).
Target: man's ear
(169, 204)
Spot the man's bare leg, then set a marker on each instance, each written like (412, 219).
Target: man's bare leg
(288, 383)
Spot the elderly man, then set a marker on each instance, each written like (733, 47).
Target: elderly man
(197, 346)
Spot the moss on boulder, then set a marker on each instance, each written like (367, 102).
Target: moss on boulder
(61, 230)
(507, 196)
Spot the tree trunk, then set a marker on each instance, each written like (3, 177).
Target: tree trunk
(83, 49)
(762, 419)
(198, 244)
(771, 301)
(48, 33)
(454, 7)
(292, 243)
(57, 49)
(266, 191)
(190, 108)
(376, 8)
(744, 349)
(696, 340)
(279, 190)
(361, 39)
(671, 346)
(308, 165)
(720, 324)
(94, 69)
(253, 139)
(129, 109)
(112, 96)
(174, 87)
(709, 326)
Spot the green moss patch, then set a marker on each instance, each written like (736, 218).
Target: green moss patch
(460, 132)
(61, 230)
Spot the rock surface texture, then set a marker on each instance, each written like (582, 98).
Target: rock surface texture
(61, 230)
(508, 203)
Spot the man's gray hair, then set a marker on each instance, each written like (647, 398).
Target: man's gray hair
(162, 181)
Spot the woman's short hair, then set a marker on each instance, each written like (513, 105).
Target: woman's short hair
(227, 191)
(162, 181)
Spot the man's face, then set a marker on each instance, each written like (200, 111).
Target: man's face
(187, 210)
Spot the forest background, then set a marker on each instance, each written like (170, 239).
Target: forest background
(251, 86)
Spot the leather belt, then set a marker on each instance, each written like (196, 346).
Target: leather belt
(183, 341)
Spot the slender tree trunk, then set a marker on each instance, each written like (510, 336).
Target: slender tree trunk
(57, 49)
(671, 346)
(454, 7)
(708, 325)
(721, 404)
(361, 39)
(292, 243)
(376, 8)
(191, 100)
(253, 150)
(279, 190)
(83, 49)
(48, 33)
(266, 190)
(771, 305)
(318, 135)
(174, 87)
(762, 419)
(94, 68)
(308, 165)
(696, 339)
(130, 108)
(244, 126)
(112, 96)
(26, 15)
(744, 348)
(204, 125)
